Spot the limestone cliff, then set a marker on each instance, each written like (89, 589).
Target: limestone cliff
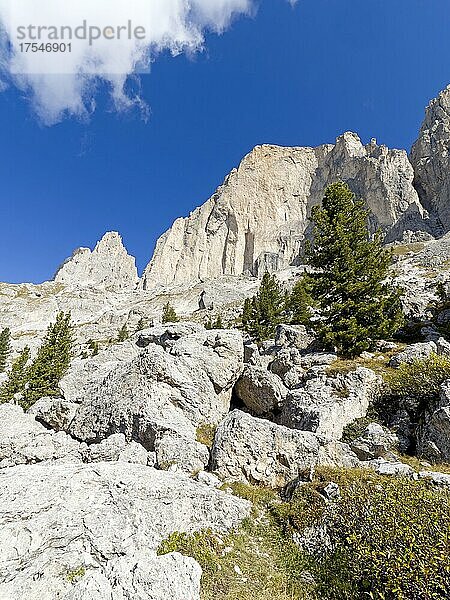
(258, 219)
(108, 265)
(430, 158)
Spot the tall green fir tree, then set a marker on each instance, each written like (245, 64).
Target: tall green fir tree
(17, 377)
(52, 361)
(169, 315)
(349, 279)
(266, 310)
(5, 348)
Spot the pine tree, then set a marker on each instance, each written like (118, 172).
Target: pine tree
(356, 303)
(264, 311)
(17, 377)
(169, 315)
(5, 348)
(299, 303)
(51, 363)
(123, 333)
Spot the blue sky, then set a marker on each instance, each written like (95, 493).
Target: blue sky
(290, 76)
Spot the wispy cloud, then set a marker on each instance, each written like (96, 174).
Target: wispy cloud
(65, 84)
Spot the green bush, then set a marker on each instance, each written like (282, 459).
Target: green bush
(415, 386)
(169, 315)
(389, 538)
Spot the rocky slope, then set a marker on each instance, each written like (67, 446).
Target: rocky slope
(146, 431)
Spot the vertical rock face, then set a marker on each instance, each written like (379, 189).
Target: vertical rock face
(108, 265)
(430, 158)
(258, 219)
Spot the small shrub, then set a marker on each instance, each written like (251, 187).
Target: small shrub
(206, 434)
(123, 334)
(169, 315)
(76, 574)
(389, 538)
(415, 386)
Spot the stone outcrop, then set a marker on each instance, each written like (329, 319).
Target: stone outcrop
(258, 219)
(261, 391)
(108, 265)
(90, 532)
(327, 405)
(256, 451)
(25, 441)
(431, 161)
(181, 378)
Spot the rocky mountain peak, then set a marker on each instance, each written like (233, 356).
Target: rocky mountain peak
(109, 265)
(258, 219)
(430, 158)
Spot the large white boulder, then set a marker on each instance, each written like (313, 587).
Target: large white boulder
(257, 451)
(327, 405)
(86, 532)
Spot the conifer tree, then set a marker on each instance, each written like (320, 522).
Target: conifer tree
(123, 333)
(299, 303)
(169, 315)
(5, 348)
(51, 363)
(17, 377)
(349, 280)
(266, 310)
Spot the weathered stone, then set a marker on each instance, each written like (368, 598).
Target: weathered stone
(186, 455)
(337, 454)
(260, 390)
(91, 531)
(56, 413)
(108, 449)
(176, 386)
(414, 352)
(376, 441)
(294, 335)
(23, 440)
(430, 159)
(109, 266)
(259, 452)
(391, 468)
(326, 405)
(439, 479)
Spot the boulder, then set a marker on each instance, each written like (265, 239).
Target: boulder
(439, 479)
(174, 452)
(56, 413)
(414, 352)
(434, 438)
(260, 452)
(91, 531)
(182, 377)
(327, 405)
(24, 441)
(337, 455)
(260, 390)
(376, 441)
(294, 335)
(392, 468)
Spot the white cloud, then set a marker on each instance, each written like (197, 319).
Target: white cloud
(61, 84)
